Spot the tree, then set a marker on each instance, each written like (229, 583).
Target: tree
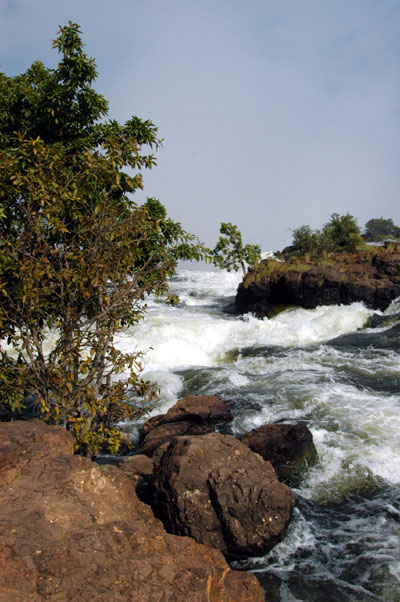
(306, 240)
(341, 233)
(380, 228)
(229, 252)
(77, 255)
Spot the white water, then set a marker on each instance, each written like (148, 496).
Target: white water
(197, 333)
(194, 334)
(283, 368)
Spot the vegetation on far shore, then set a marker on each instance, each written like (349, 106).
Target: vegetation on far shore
(341, 234)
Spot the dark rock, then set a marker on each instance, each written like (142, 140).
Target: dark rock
(198, 409)
(289, 448)
(216, 490)
(372, 277)
(166, 432)
(71, 530)
(253, 514)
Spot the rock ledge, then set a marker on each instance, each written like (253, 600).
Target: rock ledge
(71, 531)
(371, 276)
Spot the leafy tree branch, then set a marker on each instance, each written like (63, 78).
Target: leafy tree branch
(229, 252)
(77, 255)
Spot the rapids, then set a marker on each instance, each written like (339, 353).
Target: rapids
(334, 368)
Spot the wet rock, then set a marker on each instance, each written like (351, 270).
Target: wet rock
(71, 530)
(216, 490)
(289, 447)
(198, 409)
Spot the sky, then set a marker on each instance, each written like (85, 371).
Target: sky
(274, 113)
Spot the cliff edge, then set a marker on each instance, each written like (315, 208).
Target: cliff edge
(371, 276)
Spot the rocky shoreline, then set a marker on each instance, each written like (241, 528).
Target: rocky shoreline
(163, 522)
(71, 529)
(371, 276)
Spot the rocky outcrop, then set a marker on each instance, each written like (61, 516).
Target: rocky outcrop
(216, 490)
(73, 531)
(198, 409)
(192, 415)
(289, 448)
(167, 432)
(371, 276)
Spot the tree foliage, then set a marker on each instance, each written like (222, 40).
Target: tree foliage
(341, 233)
(229, 252)
(306, 240)
(77, 255)
(379, 228)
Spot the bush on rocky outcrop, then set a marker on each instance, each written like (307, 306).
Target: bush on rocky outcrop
(378, 229)
(341, 233)
(229, 252)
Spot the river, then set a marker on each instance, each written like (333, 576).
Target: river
(335, 369)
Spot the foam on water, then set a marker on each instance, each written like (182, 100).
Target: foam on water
(356, 430)
(177, 337)
(362, 443)
(202, 288)
(301, 383)
(287, 369)
(394, 308)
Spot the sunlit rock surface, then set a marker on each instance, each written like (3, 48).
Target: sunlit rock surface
(73, 531)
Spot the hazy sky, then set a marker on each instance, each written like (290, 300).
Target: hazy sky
(274, 113)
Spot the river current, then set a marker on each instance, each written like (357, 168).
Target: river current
(335, 369)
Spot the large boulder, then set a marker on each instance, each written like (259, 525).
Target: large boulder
(192, 415)
(73, 531)
(197, 409)
(216, 490)
(371, 276)
(289, 447)
(167, 432)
